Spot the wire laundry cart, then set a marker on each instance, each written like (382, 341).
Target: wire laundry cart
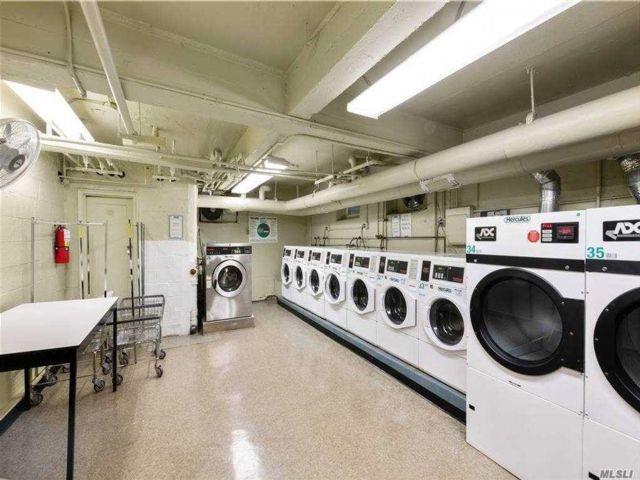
(139, 324)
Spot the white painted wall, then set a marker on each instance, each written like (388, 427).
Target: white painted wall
(267, 257)
(519, 194)
(38, 194)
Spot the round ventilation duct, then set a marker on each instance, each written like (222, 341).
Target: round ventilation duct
(414, 202)
(211, 214)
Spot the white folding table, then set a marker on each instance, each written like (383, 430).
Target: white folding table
(52, 333)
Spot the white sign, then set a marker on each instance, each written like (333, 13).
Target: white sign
(263, 229)
(401, 225)
(175, 227)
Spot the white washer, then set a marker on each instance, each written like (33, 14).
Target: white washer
(443, 319)
(612, 353)
(286, 272)
(299, 279)
(335, 286)
(314, 291)
(525, 386)
(361, 294)
(397, 329)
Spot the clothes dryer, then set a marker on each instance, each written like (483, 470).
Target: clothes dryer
(443, 319)
(612, 368)
(525, 382)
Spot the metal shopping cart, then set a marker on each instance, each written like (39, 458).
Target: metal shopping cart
(140, 324)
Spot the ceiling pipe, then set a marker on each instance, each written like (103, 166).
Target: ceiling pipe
(631, 167)
(98, 33)
(550, 186)
(596, 149)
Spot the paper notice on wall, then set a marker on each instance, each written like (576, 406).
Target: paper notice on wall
(263, 229)
(175, 227)
(400, 225)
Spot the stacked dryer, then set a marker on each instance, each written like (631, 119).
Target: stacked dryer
(314, 291)
(443, 319)
(335, 286)
(397, 330)
(525, 383)
(361, 294)
(612, 393)
(286, 272)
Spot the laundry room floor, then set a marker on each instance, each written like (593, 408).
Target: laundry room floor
(280, 401)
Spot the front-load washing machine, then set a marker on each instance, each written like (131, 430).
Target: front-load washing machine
(299, 280)
(397, 331)
(228, 280)
(361, 294)
(335, 286)
(525, 383)
(443, 319)
(286, 272)
(612, 351)
(314, 291)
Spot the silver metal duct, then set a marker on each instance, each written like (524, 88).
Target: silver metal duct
(550, 185)
(631, 167)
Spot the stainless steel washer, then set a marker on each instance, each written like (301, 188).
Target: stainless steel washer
(228, 280)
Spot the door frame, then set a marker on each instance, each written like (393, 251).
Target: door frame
(83, 194)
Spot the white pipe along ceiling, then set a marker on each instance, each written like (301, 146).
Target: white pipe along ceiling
(604, 124)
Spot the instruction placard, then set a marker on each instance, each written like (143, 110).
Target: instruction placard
(400, 225)
(263, 229)
(175, 227)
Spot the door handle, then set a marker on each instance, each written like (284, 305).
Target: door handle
(215, 284)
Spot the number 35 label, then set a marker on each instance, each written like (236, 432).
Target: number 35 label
(595, 252)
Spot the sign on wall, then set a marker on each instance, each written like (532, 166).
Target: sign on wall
(175, 227)
(400, 225)
(263, 229)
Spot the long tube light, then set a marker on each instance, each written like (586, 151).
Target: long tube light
(254, 180)
(486, 28)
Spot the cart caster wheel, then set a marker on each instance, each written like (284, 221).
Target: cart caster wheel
(36, 399)
(193, 329)
(119, 379)
(124, 359)
(162, 354)
(159, 371)
(98, 385)
(107, 359)
(65, 369)
(106, 369)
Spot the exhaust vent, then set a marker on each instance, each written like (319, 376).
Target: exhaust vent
(631, 167)
(414, 202)
(549, 182)
(437, 184)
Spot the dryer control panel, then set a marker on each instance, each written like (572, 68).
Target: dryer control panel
(228, 250)
(448, 273)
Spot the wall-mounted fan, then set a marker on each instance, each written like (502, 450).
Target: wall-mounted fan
(414, 202)
(19, 149)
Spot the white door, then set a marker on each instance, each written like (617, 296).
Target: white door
(117, 212)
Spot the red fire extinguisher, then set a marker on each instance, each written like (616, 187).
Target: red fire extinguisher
(61, 244)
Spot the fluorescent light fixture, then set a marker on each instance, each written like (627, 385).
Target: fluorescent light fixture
(51, 107)
(486, 28)
(250, 182)
(276, 163)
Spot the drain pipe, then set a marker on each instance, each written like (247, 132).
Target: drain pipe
(98, 33)
(631, 167)
(262, 190)
(549, 182)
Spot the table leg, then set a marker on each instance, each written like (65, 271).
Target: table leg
(71, 427)
(114, 353)
(26, 401)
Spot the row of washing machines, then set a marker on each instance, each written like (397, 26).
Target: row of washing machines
(539, 324)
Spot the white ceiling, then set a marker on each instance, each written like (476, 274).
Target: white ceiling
(589, 44)
(271, 33)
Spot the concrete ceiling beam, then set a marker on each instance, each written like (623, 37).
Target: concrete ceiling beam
(352, 39)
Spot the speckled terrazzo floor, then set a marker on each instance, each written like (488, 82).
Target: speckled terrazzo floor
(279, 401)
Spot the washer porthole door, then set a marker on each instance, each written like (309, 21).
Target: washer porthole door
(524, 324)
(395, 306)
(314, 281)
(333, 289)
(286, 274)
(616, 340)
(229, 278)
(446, 322)
(360, 295)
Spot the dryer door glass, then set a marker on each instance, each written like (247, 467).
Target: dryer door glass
(286, 273)
(616, 340)
(230, 278)
(395, 306)
(522, 320)
(360, 294)
(299, 276)
(314, 281)
(446, 322)
(334, 287)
